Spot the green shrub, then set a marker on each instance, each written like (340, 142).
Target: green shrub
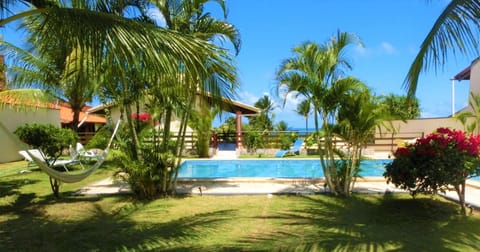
(50, 139)
(286, 140)
(100, 139)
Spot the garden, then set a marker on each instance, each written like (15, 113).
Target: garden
(32, 219)
(158, 75)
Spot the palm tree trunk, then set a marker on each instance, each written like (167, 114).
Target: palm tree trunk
(306, 125)
(133, 133)
(329, 166)
(76, 119)
(350, 172)
(166, 129)
(179, 148)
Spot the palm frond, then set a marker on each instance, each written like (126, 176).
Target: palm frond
(27, 99)
(455, 31)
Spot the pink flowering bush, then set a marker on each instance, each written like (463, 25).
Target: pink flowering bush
(143, 120)
(144, 117)
(444, 158)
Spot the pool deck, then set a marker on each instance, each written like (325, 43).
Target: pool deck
(252, 186)
(255, 186)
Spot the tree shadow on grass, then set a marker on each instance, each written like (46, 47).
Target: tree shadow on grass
(102, 229)
(371, 223)
(8, 187)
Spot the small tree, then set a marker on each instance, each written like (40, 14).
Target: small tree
(50, 139)
(303, 109)
(358, 116)
(400, 107)
(433, 163)
(264, 121)
(286, 139)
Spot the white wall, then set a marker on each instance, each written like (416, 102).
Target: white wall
(474, 77)
(421, 126)
(11, 117)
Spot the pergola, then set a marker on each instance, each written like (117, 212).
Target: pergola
(228, 105)
(239, 109)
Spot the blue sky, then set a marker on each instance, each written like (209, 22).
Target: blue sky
(390, 30)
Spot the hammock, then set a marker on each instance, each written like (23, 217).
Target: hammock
(73, 178)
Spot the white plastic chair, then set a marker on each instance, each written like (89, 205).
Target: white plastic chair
(58, 163)
(27, 158)
(86, 154)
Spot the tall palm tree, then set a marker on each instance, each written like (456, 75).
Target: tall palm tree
(64, 72)
(167, 96)
(88, 27)
(190, 17)
(314, 72)
(98, 28)
(303, 109)
(130, 55)
(455, 31)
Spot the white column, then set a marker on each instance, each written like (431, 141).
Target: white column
(453, 97)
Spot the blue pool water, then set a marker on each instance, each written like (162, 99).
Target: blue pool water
(267, 168)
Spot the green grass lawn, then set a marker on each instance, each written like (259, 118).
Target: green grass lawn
(31, 219)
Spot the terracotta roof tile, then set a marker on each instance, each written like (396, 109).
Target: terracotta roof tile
(66, 116)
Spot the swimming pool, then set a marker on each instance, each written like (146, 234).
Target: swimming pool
(267, 168)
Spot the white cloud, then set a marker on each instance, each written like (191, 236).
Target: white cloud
(293, 100)
(440, 109)
(361, 51)
(288, 112)
(281, 113)
(247, 98)
(388, 48)
(385, 48)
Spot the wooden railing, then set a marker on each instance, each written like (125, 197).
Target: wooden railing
(190, 139)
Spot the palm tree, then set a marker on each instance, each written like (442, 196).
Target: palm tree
(453, 32)
(263, 121)
(189, 17)
(358, 115)
(130, 56)
(88, 27)
(281, 126)
(64, 72)
(400, 107)
(265, 104)
(303, 109)
(167, 96)
(314, 72)
(96, 28)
